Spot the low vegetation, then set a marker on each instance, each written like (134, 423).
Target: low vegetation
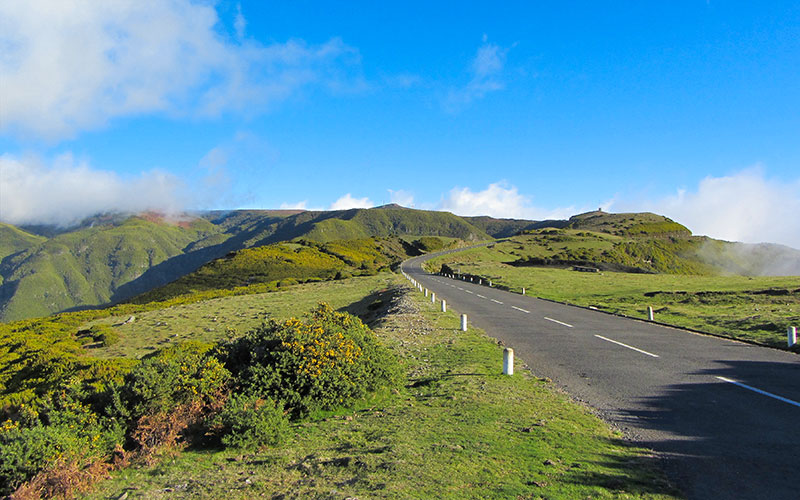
(238, 393)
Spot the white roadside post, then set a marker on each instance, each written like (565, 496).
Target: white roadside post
(490, 283)
(433, 298)
(792, 335)
(426, 292)
(463, 322)
(508, 361)
(479, 281)
(444, 306)
(650, 315)
(523, 290)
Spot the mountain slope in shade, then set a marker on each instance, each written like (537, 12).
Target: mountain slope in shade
(87, 266)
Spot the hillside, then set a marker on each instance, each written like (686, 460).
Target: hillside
(111, 258)
(90, 265)
(628, 224)
(503, 228)
(282, 264)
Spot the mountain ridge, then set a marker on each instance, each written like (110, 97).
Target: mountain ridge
(111, 258)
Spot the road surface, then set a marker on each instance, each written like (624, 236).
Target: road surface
(725, 415)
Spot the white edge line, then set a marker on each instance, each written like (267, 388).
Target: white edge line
(559, 322)
(626, 345)
(765, 393)
(520, 309)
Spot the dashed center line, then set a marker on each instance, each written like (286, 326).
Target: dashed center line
(520, 309)
(559, 322)
(626, 345)
(460, 288)
(765, 393)
(479, 295)
(469, 292)
(496, 301)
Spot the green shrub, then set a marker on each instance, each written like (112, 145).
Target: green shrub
(248, 421)
(173, 376)
(429, 243)
(327, 360)
(66, 431)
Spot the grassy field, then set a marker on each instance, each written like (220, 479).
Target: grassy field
(225, 317)
(457, 429)
(757, 309)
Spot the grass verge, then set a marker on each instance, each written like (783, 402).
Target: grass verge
(458, 429)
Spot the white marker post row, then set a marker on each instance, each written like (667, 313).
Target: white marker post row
(508, 353)
(433, 299)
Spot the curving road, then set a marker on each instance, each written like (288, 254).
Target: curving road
(724, 415)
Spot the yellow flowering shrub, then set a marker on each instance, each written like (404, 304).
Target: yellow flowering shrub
(324, 360)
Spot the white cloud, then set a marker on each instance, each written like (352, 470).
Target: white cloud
(745, 206)
(67, 191)
(498, 200)
(347, 201)
(73, 66)
(239, 22)
(486, 72)
(402, 198)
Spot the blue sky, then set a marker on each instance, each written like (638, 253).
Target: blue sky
(524, 109)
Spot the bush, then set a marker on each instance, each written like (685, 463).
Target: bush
(65, 433)
(247, 421)
(174, 376)
(329, 359)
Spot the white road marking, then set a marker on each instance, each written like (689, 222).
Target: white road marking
(469, 292)
(765, 393)
(479, 295)
(628, 346)
(520, 309)
(496, 301)
(559, 322)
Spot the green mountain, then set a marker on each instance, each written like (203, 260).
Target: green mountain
(112, 258)
(89, 266)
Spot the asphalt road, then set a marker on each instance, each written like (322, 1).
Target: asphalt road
(692, 398)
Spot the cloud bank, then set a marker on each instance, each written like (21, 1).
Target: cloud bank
(342, 203)
(67, 191)
(745, 206)
(73, 66)
(498, 200)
